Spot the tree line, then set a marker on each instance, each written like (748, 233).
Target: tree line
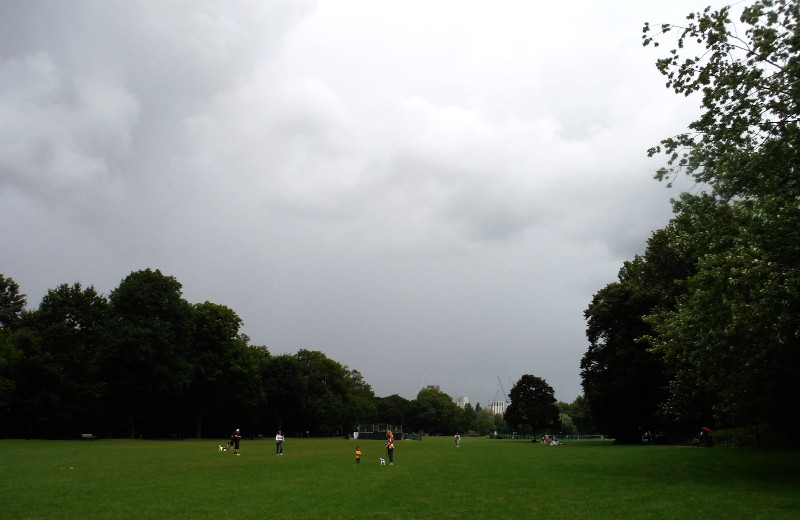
(144, 362)
(703, 328)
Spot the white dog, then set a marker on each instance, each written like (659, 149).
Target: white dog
(222, 448)
(383, 461)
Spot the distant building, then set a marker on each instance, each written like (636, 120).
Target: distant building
(433, 387)
(498, 407)
(462, 402)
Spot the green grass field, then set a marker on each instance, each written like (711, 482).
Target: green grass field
(318, 478)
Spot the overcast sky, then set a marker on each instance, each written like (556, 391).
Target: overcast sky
(429, 192)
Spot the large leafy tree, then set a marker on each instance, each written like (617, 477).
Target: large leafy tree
(625, 380)
(622, 381)
(735, 337)
(248, 400)
(745, 144)
(433, 411)
(393, 409)
(146, 352)
(285, 388)
(704, 227)
(309, 392)
(326, 400)
(12, 304)
(533, 404)
(60, 370)
(732, 344)
(467, 417)
(485, 421)
(362, 403)
(222, 366)
(581, 415)
(9, 355)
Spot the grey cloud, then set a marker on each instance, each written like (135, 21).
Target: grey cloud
(437, 181)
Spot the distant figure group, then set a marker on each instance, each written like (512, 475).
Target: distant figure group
(547, 440)
(236, 437)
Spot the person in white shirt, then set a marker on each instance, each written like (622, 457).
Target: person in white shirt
(279, 443)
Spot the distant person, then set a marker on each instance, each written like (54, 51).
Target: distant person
(235, 438)
(358, 455)
(390, 447)
(457, 439)
(705, 438)
(279, 443)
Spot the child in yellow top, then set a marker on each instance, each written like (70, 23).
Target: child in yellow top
(358, 455)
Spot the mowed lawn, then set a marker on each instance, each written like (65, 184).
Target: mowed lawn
(318, 478)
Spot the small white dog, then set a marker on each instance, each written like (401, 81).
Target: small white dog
(383, 461)
(222, 448)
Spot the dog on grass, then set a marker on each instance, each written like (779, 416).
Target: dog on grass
(383, 461)
(222, 448)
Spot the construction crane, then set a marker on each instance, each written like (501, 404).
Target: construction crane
(506, 400)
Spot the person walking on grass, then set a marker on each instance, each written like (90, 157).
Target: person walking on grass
(457, 439)
(358, 455)
(235, 438)
(279, 443)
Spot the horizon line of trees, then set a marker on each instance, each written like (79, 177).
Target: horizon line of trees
(144, 362)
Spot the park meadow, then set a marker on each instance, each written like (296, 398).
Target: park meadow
(431, 479)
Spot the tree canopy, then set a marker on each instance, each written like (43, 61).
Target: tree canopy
(745, 143)
(144, 362)
(533, 404)
(725, 321)
(12, 302)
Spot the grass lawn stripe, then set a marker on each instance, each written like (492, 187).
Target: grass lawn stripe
(318, 478)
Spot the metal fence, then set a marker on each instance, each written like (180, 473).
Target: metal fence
(380, 427)
(507, 434)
